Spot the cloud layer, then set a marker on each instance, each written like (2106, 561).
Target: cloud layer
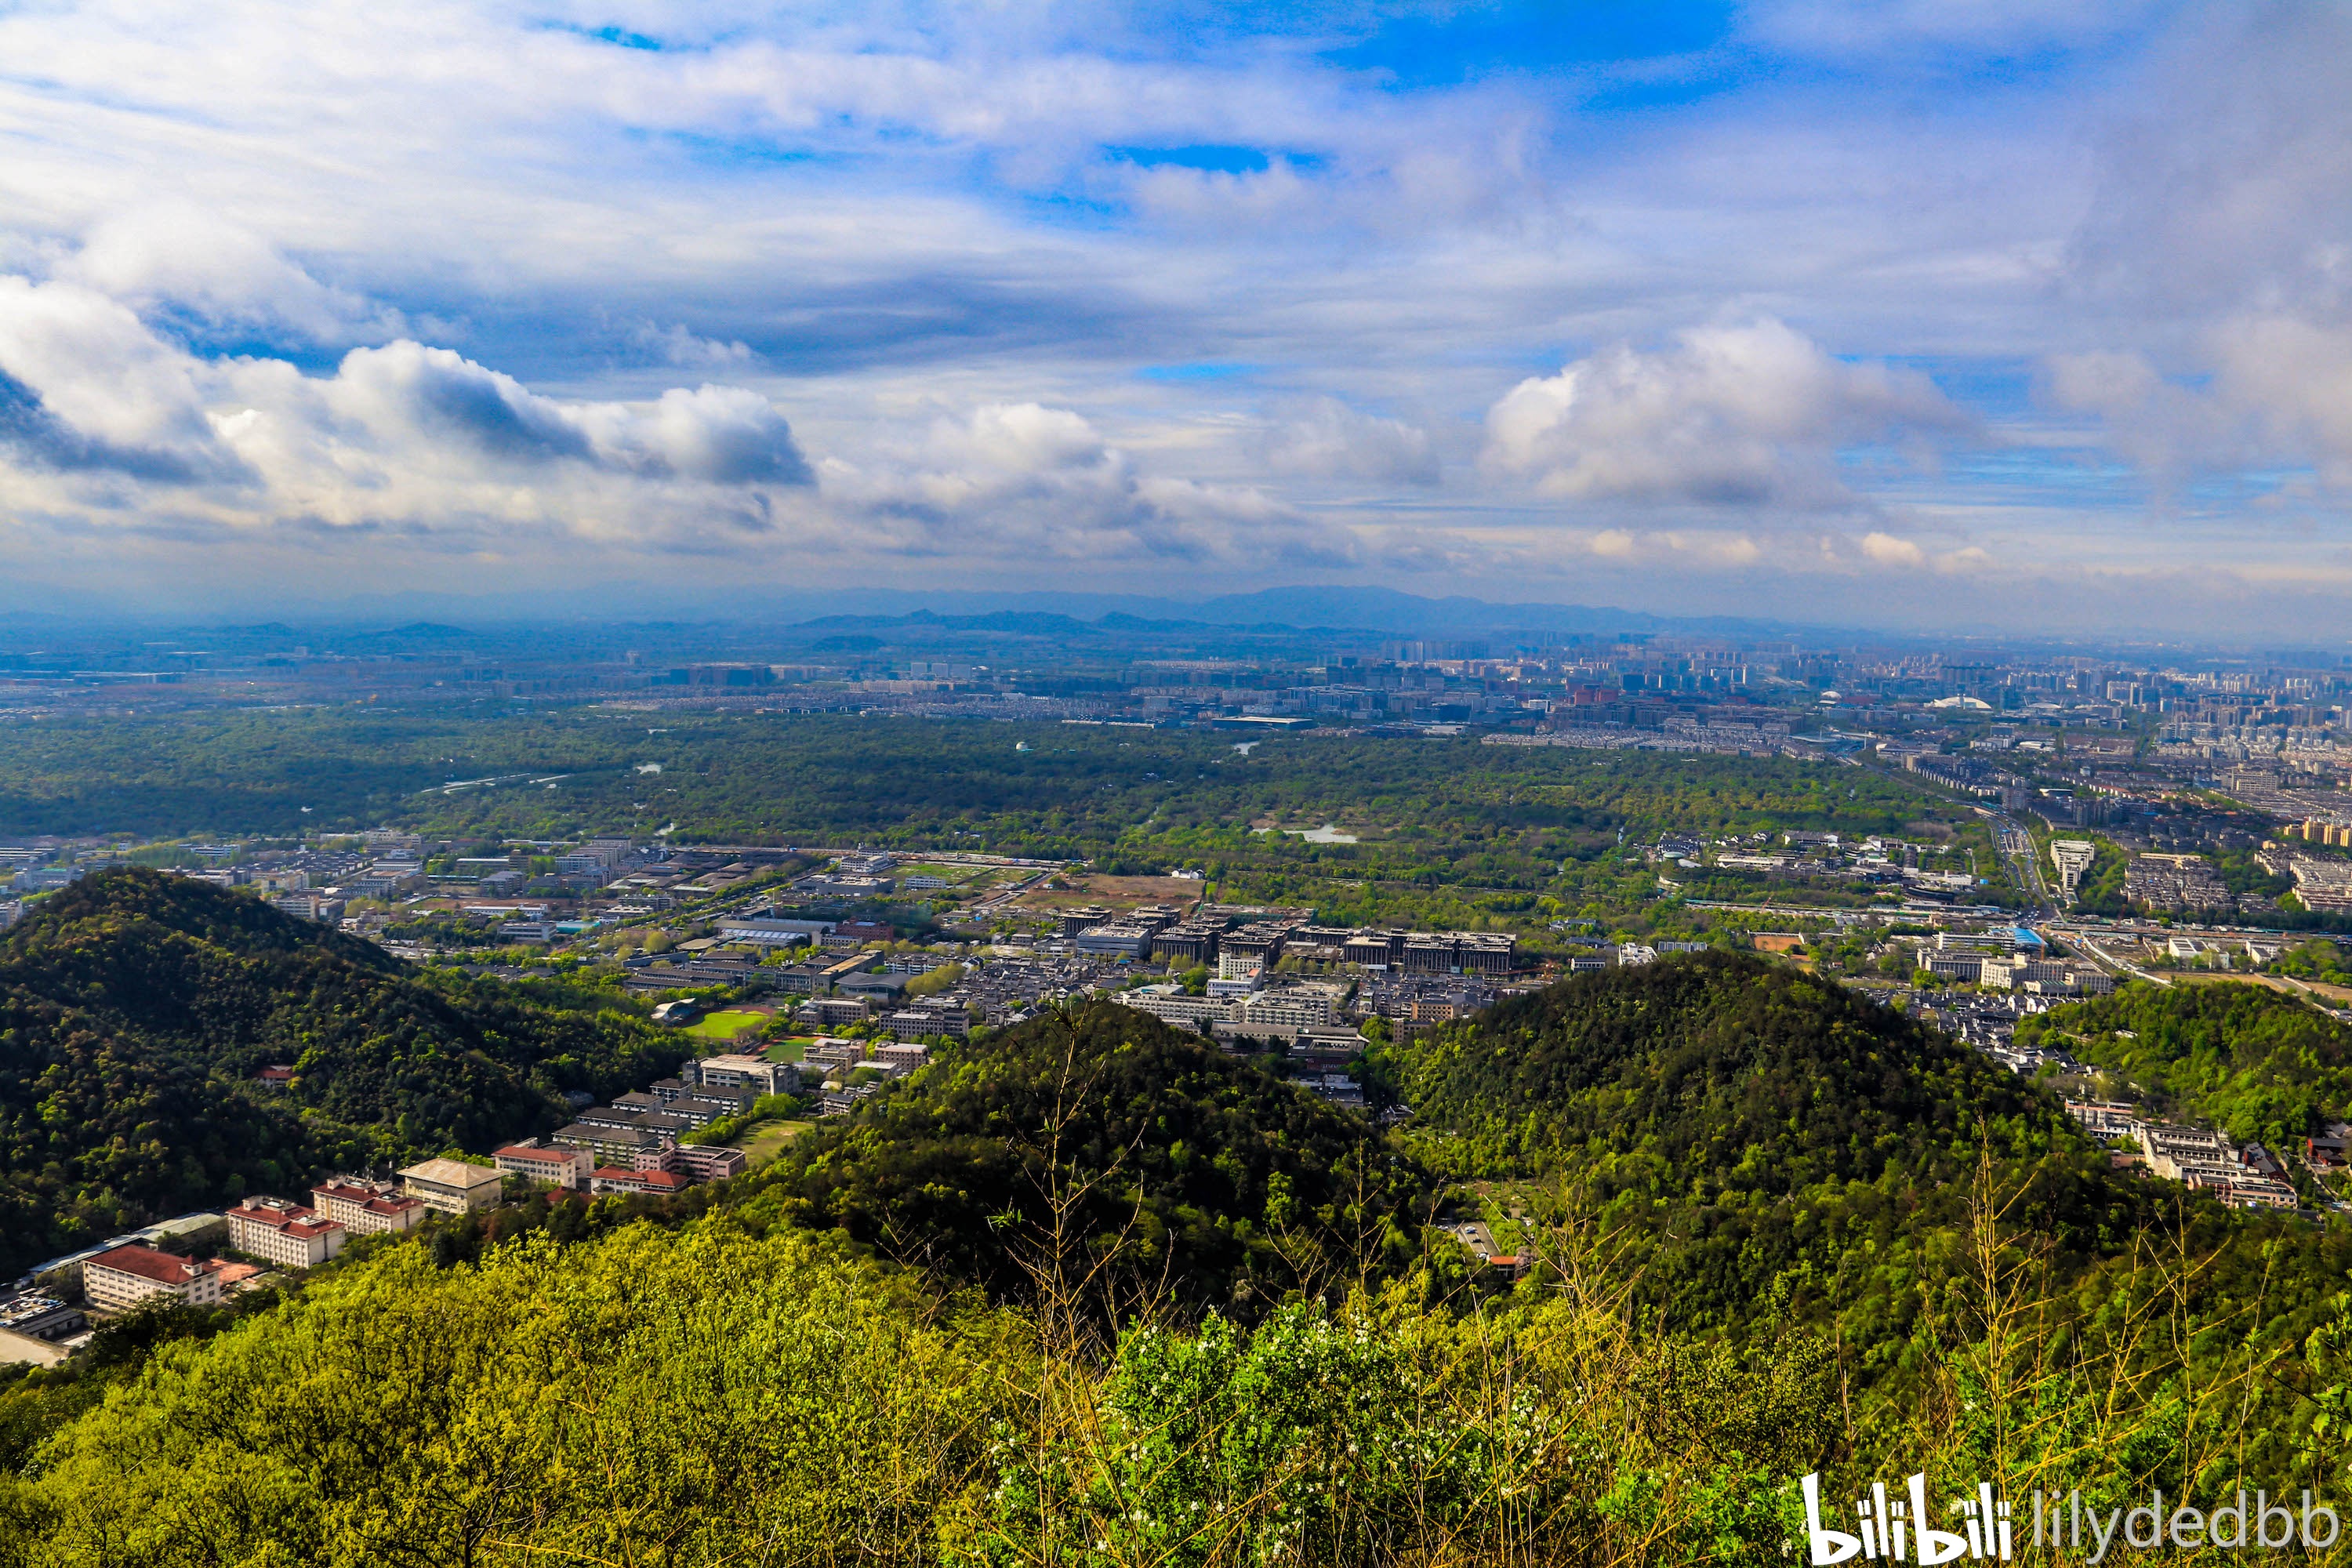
(1828, 309)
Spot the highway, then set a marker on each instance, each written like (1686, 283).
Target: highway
(2023, 863)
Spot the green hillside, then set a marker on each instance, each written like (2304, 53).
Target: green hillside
(1751, 1134)
(1777, 1228)
(2263, 1066)
(136, 1007)
(1715, 1073)
(1201, 1177)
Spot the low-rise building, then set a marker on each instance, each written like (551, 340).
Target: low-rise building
(901, 1056)
(121, 1278)
(636, 1147)
(1171, 1006)
(730, 1071)
(1297, 1008)
(923, 1023)
(708, 1161)
(40, 1317)
(833, 1011)
(452, 1186)
(1122, 940)
(544, 1164)
(654, 1183)
(364, 1207)
(285, 1233)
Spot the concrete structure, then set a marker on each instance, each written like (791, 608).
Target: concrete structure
(122, 1278)
(284, 1233)
(452, 1186)
(637, 1147)
(708, 1161)
(833, 1011)
(2072, 856)
(656, 1183)
(774, 931)
(1296, 1008)
(902, 1056)
(35, 1316)
(731, 1071)
(1119, 940)
(922, 1023)
(1173, 1006)
(364, 1207)
(544, 1166)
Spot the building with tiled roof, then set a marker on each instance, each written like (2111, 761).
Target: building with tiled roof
(121, 1278)
(613, 1179)
(452, 1186)
(534, 1161)
(285, 1234)
(364, 1207)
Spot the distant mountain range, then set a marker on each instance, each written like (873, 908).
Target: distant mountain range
(1305, 607)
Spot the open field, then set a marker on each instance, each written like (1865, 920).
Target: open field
(766, 1141)
(729, 1024)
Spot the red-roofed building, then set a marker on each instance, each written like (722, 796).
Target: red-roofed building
(286, 1234)
(557, 1167)
(275, 1077)
(120, 1279)
(364, 1207)
(613, 1179)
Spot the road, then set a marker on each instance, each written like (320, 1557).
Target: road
(2015, 845)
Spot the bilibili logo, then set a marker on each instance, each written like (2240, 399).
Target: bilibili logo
(1975, 1523)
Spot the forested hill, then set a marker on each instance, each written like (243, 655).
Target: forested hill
(1752, 1135)
(2261, 1065)
(1202, 1179)
(135, 1009)
(1715, 1072)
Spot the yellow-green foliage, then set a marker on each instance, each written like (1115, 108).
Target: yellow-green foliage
(693, 1396)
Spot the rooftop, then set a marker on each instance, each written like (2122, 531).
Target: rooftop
(451, 1173)
(149, 1264)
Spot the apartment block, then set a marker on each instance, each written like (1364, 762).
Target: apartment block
(121, 1279)
(452, 1186)
(364, 1207)
(285, 1233)
(548, 1166)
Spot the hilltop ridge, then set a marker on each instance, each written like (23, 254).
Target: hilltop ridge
(136, 1008)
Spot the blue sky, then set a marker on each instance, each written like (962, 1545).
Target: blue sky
(1908, 313)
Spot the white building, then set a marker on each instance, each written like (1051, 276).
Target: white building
(734, 1070)
(548, 1167)
(286, 1234)
(2073, 857)
(452, 1186)
(120, 1279)
(364, 1207)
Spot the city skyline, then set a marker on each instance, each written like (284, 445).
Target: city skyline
(1933, 317)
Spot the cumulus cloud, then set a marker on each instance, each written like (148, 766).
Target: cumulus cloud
(1328, 439)
(1886, 550)
(403, 434)
(1746, 414)
(84, 386)
(173, 256)
(1022, 479)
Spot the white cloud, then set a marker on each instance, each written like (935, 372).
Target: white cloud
(178, 255)
(1886, 550)
(1023, 480)
(1841, 28)
(1326, 439)
(85, 387)
(92, 399)
(1745, 415)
